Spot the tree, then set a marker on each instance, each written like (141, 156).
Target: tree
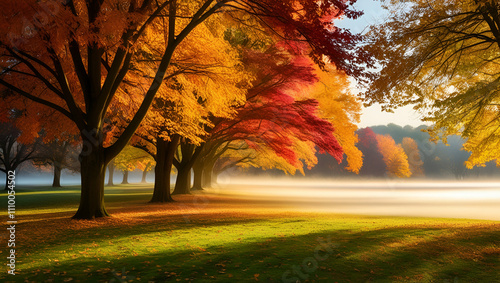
(419, 134)
(412, 152)
(75, 56)
(443, 57)
(60, 154)
(146, 167)
(185, 157)
(373, 164)
(343, 109)
(12, 152)
(394, 157)
(278, 126)
(129, 159)
(206, 84)
(111, 172)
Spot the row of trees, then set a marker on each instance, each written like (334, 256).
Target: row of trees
(55, 154)
(163, 75)
(421, 156)
(382, 156)
(195, 81)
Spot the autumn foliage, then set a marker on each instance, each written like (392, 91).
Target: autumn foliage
(71, 63)
(394, 157)
(441, 56)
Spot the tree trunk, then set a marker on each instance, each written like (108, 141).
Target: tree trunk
(93, 170)
(8, 168)
(183, 181)
(6, 182)
(144, 174)
(56, 183)
(207, 180)
(111, 173)
(189, 153)
(198, 176)
(165, 151)
(125, 177)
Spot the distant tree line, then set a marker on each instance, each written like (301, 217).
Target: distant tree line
(431, 160)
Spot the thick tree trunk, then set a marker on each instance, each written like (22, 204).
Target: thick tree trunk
(144, 175)
(111, 173)
(56, 183)
(198, 176)
(165, 151)
(93, 169)
(183, 181)
(125, 177)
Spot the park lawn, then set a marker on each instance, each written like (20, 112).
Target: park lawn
(211, 238)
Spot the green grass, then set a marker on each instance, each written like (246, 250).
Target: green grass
(222, 240)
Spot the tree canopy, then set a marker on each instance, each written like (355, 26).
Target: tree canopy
(442, 56)
(77, 58)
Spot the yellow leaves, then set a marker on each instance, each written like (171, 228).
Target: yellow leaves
(266, 158)
(343, 109)
(394, 157)
(205, 76)
(444, 57)
(411, 149)
(484, 140)
(131, 158)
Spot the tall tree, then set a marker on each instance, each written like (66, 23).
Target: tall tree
(111, 172)
(443, 56)
(146, 168)
(74, 57)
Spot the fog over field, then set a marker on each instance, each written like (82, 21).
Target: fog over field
(473, 199)
(454, 199)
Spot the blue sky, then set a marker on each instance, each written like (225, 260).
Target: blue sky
(373, 14)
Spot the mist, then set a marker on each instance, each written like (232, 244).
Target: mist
(384, 197)
(471, 198)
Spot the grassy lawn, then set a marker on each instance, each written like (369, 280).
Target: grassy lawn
(209, 238)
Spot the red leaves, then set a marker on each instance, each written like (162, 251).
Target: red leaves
(273, 116)
(312, 21)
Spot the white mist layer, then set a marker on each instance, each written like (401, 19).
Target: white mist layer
(472, 200)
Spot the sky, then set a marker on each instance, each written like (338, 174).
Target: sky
(373, 116)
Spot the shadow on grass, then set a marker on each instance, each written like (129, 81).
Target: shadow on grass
(383, 255)
(62, 249)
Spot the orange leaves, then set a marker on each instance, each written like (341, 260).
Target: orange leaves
(411, 149)
(342, 108)
(205, 84)
(394, 157)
